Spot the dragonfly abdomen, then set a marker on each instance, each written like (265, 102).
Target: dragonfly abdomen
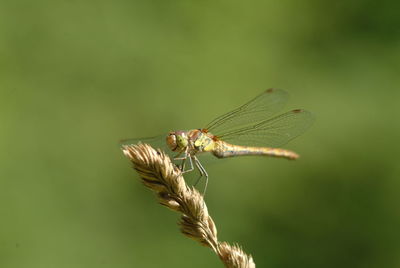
(225, 150)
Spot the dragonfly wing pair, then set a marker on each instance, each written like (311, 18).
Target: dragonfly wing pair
(254, 123)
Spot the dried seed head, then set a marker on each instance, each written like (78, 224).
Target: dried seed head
(160, 175)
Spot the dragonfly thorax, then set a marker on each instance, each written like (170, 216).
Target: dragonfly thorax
(192, 141)
(203, 142)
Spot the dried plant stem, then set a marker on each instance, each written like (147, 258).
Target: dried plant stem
(165, 179)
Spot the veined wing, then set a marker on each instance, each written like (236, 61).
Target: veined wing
(271, 132)
(157, 142)
(260, 108)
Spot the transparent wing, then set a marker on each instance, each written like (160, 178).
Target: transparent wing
(158, 142)
(261, 107)
(272, 132)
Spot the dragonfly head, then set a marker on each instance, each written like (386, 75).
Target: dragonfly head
(177, 140)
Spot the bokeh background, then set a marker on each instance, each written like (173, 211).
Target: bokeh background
(77, 76)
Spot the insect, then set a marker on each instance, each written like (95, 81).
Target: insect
(251, 129)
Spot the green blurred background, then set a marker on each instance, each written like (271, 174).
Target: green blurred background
(77, 76)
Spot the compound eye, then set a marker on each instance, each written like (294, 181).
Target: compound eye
(171, 141)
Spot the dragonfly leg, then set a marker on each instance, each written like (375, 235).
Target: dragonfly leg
(177, 157)
(182, 166)
(184, 158)
(191, 165)
(202, 171)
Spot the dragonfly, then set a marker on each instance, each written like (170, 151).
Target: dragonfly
(251, 129)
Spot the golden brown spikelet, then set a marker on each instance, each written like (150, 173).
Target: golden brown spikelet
(160, 175)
